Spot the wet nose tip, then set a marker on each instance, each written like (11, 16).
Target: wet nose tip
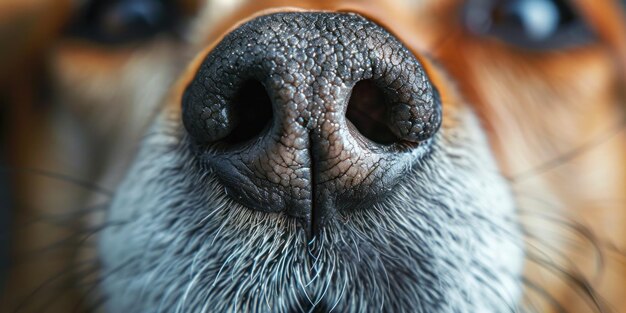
(310, 114)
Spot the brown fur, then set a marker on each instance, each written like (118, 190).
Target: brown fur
(555, 122)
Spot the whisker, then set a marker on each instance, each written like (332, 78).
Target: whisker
(569, 155)
(95, 304)
(61, 219)
(73, 241)
(93, 286)
(577, 228)
(60, 177)
(545, 294)
(581, 284)
(75, 268)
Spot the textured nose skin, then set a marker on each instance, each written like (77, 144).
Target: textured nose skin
(309, 161)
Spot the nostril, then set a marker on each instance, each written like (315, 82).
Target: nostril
(252, 110)
(367, 111)
(227, 111)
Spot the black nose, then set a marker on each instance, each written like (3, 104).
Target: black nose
(310, 114)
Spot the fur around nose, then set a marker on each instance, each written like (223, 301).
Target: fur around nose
(267, 112)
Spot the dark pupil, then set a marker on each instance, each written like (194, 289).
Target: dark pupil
(119, 21)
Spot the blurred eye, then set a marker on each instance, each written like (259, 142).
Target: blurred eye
(531, 24)
(123, 21)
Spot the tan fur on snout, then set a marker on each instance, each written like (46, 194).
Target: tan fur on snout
(555, 123)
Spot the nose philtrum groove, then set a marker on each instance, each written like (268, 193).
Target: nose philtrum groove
(313, 223)
(310, 114)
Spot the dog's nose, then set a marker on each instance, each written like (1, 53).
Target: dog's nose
(310, 114)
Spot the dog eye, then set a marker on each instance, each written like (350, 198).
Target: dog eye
(532, 24)
(123, 21)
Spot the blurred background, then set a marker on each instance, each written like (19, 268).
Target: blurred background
(28, 29)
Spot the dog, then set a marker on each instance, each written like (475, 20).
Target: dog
(318, 156)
